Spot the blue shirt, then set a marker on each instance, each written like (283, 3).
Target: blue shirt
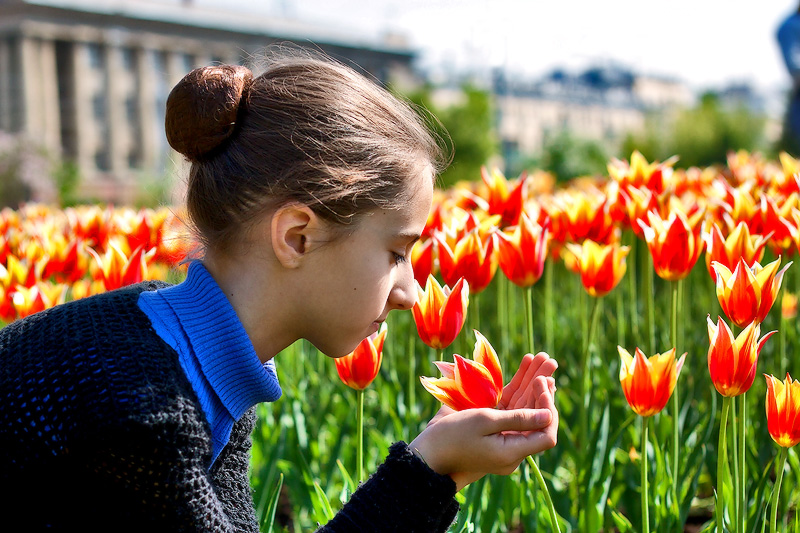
(199, 323)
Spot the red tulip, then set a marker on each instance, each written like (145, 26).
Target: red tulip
(468, 384)
(360, 367)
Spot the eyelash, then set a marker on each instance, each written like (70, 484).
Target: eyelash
(399, 258)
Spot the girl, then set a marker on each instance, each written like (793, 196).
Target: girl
(308, 187)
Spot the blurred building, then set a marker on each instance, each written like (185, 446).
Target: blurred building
(88, 79)
(600, 103)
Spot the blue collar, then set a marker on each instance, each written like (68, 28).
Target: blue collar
(198, 321)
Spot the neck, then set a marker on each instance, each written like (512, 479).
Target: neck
(256, 298)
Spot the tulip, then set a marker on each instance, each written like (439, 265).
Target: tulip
(357, 370)
(440, 312)
(502, 201)
(739, 244)
(639, 172)
(30, 300)
(783, 410)
(648, 382)
(732, 362)
(422, 260)
(117, 270)
(674, 243)
(522, 252)
(747, 294)
(783, 424)
(601, 266)
(468, 384)
(472, 258)
(360, 367)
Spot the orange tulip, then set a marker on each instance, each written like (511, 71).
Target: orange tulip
(439, 313)
(422, 260)
(739, 244)
(783, 410)
(648, 382)
(30, 300)
(521, 252)
(117, 270)
(674, 243)
(468, 384)
(747, 294)
(505, 198)
(360, 367)
(732, 362)
(472, 258)
(601, 266)
(639, 173)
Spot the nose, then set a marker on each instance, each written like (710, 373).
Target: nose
(404, 292)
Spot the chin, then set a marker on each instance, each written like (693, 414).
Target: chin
(335, 352)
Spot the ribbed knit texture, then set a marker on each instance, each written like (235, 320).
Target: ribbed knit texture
(197, 320)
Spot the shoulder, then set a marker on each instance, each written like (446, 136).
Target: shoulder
(100, 343)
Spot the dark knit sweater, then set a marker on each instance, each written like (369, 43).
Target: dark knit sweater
(100, 430)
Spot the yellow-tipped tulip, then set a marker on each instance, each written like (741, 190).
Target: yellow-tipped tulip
(648, 382)
(440, 312)
(783, 410)
(521, 253)
(732, 362)
(674, 243)
(468, 384)
(360, 367)
(747, 293)
(728, 250)
(601, 266)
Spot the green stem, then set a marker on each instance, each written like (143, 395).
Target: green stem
(551, 509)
(412, 384)
(620, 319)
(649, 298)
(549, 320)
(645, 490)
(631, 274)
(360, 435)
(676, 430)
(721, 463)
(503, 311)
(734, 437)
(776, 490)
(529, 318)
(742, 514)
(587, 369)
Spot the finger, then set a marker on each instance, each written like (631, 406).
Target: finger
(521, 445)
(516, 420)
(531, 366)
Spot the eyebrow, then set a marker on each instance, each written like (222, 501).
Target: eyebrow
(408, 236)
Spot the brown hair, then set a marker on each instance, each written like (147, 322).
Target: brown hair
(306, 130)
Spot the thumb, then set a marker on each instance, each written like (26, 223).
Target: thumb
(518, 420)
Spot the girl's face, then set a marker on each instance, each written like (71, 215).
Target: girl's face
(359, 277)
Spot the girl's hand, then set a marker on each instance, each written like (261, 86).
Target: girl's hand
(472, 443)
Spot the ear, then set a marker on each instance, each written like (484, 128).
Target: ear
(290, 228)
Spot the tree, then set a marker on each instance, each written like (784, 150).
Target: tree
(466, 128)
(702, 135)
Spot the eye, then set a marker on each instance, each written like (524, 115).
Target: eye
(399, 258)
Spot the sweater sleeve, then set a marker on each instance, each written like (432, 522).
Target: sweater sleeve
(230, 475)
(404, 495)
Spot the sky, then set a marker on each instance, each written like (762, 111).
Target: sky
(705, 43)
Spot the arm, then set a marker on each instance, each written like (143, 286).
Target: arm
(404, 495)
(413, 490)
(467, 445)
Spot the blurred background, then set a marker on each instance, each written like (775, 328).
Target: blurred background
(519, 85)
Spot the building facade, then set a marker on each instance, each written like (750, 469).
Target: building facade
(88, 79)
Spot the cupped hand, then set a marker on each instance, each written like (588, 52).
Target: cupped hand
(466, 445)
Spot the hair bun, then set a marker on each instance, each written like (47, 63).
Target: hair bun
(202, 108)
